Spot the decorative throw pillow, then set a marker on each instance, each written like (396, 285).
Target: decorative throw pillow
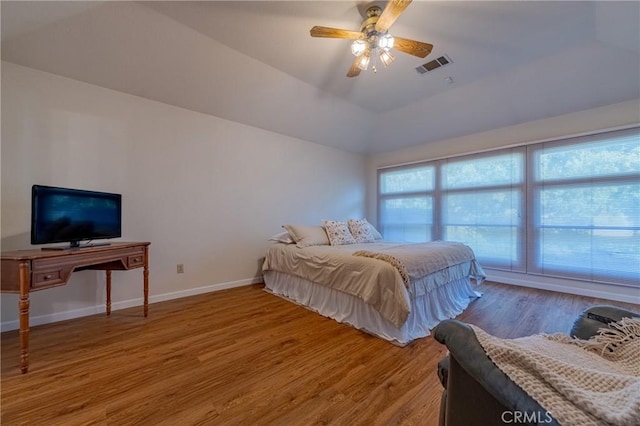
(338, 232)
(306, 236)
(361, 231)
(374, 232)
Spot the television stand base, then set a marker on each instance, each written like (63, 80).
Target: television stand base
(57, 248)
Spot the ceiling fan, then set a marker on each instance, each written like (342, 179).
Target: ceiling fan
(374, 40)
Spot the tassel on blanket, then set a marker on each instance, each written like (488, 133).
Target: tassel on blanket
(607, 339)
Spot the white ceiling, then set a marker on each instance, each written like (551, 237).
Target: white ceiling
(255, 63)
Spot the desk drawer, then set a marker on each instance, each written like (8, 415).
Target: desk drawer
(47, 278)
(135, 260)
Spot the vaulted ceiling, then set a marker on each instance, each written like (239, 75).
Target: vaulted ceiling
(255, 62)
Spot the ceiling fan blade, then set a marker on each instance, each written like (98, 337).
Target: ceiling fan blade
(412, 47)
(390, 13)
(354, 71)
(335, 33)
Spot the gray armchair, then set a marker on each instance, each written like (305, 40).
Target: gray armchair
(476, 392)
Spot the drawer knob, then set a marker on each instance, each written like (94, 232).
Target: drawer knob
(48, 277)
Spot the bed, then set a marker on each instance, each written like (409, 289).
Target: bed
(396, 291)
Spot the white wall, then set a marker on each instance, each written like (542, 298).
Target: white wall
(206, 192)
(611, 116)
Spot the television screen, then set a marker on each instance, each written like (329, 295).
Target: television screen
(73, 215)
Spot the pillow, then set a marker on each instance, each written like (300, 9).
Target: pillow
(338, 232)
(361, 231)
(283, 237)
(374, 232)
(306, 236)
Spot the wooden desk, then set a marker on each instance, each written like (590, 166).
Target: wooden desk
(24, 271)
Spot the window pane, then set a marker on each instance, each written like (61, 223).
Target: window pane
(594, 254)
(609, 157)
(592, 231)
(493, 245)
(415, 179)
(407, 219)
(503, 169)
(603, 206)
(482, 208)
(487, 221)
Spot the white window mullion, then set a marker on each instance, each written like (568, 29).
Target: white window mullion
(438, 231)
(531, 216)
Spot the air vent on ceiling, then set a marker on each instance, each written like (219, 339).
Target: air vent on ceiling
(435, 64)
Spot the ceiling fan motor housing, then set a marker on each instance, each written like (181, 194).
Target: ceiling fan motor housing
(369, 24)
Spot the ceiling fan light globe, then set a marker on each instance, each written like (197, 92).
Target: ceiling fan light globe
(386, 57)
(385, 42)
(363, 62)
(358, 47)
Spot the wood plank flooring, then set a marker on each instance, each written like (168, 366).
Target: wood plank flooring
(245, 357)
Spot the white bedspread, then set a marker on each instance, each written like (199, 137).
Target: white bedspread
(374, 281)
(422, 259)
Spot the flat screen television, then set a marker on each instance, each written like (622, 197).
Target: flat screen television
(60, 215)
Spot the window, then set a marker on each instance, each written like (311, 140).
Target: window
(482, 203)
(568, 208)
(586, 208)
(406, 204)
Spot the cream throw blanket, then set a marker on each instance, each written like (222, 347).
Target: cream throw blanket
(394, 261)
(579, 382)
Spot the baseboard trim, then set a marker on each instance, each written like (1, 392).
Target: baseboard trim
(602, 291)
(492, 276)
(93, 310)
(201, 290)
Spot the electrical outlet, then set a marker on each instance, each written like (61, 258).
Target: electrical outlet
(180, 268)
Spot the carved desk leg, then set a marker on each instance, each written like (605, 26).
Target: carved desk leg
(23, 308)
(146, 281)
(108, 272)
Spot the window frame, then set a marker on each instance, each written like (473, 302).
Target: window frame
(528, 254)
(534, 187)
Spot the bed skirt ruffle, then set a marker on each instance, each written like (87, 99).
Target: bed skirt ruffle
(443, 302)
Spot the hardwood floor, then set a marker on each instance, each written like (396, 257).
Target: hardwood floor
(243, 356)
